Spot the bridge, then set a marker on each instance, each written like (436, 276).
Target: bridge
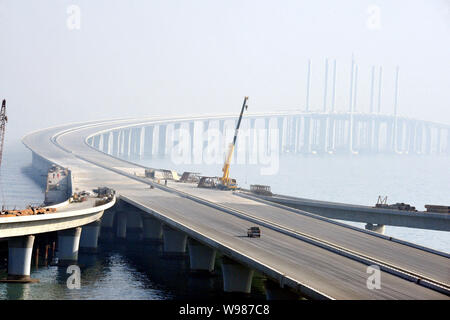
(375, 218)
(299, 252)
(286, 132)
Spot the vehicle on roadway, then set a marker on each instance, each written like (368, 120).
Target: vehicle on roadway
(253, 232)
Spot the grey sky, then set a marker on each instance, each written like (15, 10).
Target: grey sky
(134, 58)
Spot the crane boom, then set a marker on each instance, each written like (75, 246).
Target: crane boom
(225, 180)
(3, 121)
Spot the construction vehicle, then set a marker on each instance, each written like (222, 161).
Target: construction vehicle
(192, 177)
(225, 182)
(208, 182)
(437, 208)
(382, 203)
(261, 189)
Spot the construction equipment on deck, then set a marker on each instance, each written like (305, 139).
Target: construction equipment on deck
(208, 182)
(192, 177)
(437, 209)
(382, 203)
(261, 189)
(225, 182)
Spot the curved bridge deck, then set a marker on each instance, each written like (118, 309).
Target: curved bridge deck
(288, 251)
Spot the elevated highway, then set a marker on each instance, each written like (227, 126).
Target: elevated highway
(314, 257)
(361, 213)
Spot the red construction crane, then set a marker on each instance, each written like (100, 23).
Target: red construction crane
(3, 121)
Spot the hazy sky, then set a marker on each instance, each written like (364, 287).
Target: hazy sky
(135, 58)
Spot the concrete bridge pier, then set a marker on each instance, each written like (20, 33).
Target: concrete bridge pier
(201, 257)
(19, 258)
(134, 226)
(307, 135)
(275, 292)
(152, 229)
(105, 142)
(107, 224)
(375, 142)
(323, 132)
(89, 237)
(174, 241)
(162, 132)
(148, 141)
(135, 143)
(96, 142)
(115, 143)
(378, 228)
(236, 277)
(121, 225)
(331, 135)
(68, 244)
(280, 122)
(126, 142)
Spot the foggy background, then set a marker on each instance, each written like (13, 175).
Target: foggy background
(143, 58)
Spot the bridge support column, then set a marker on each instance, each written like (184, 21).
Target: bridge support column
(19, 258)
(275, 292)
(236, 277)
(174, 241)
(107, 223)
(96, 144)
(162, 140)
(68, 243)
(152, 229)
(307, 135)
(134, 226)
(89, 237)
(105, 139)
(148, 141)
(126, 142)
(201, 257)
(115, 143)
(280, 133)
(121, 226)
(378, 228)
(376, 137)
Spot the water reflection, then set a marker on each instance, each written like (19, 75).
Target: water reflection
(125, 271)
